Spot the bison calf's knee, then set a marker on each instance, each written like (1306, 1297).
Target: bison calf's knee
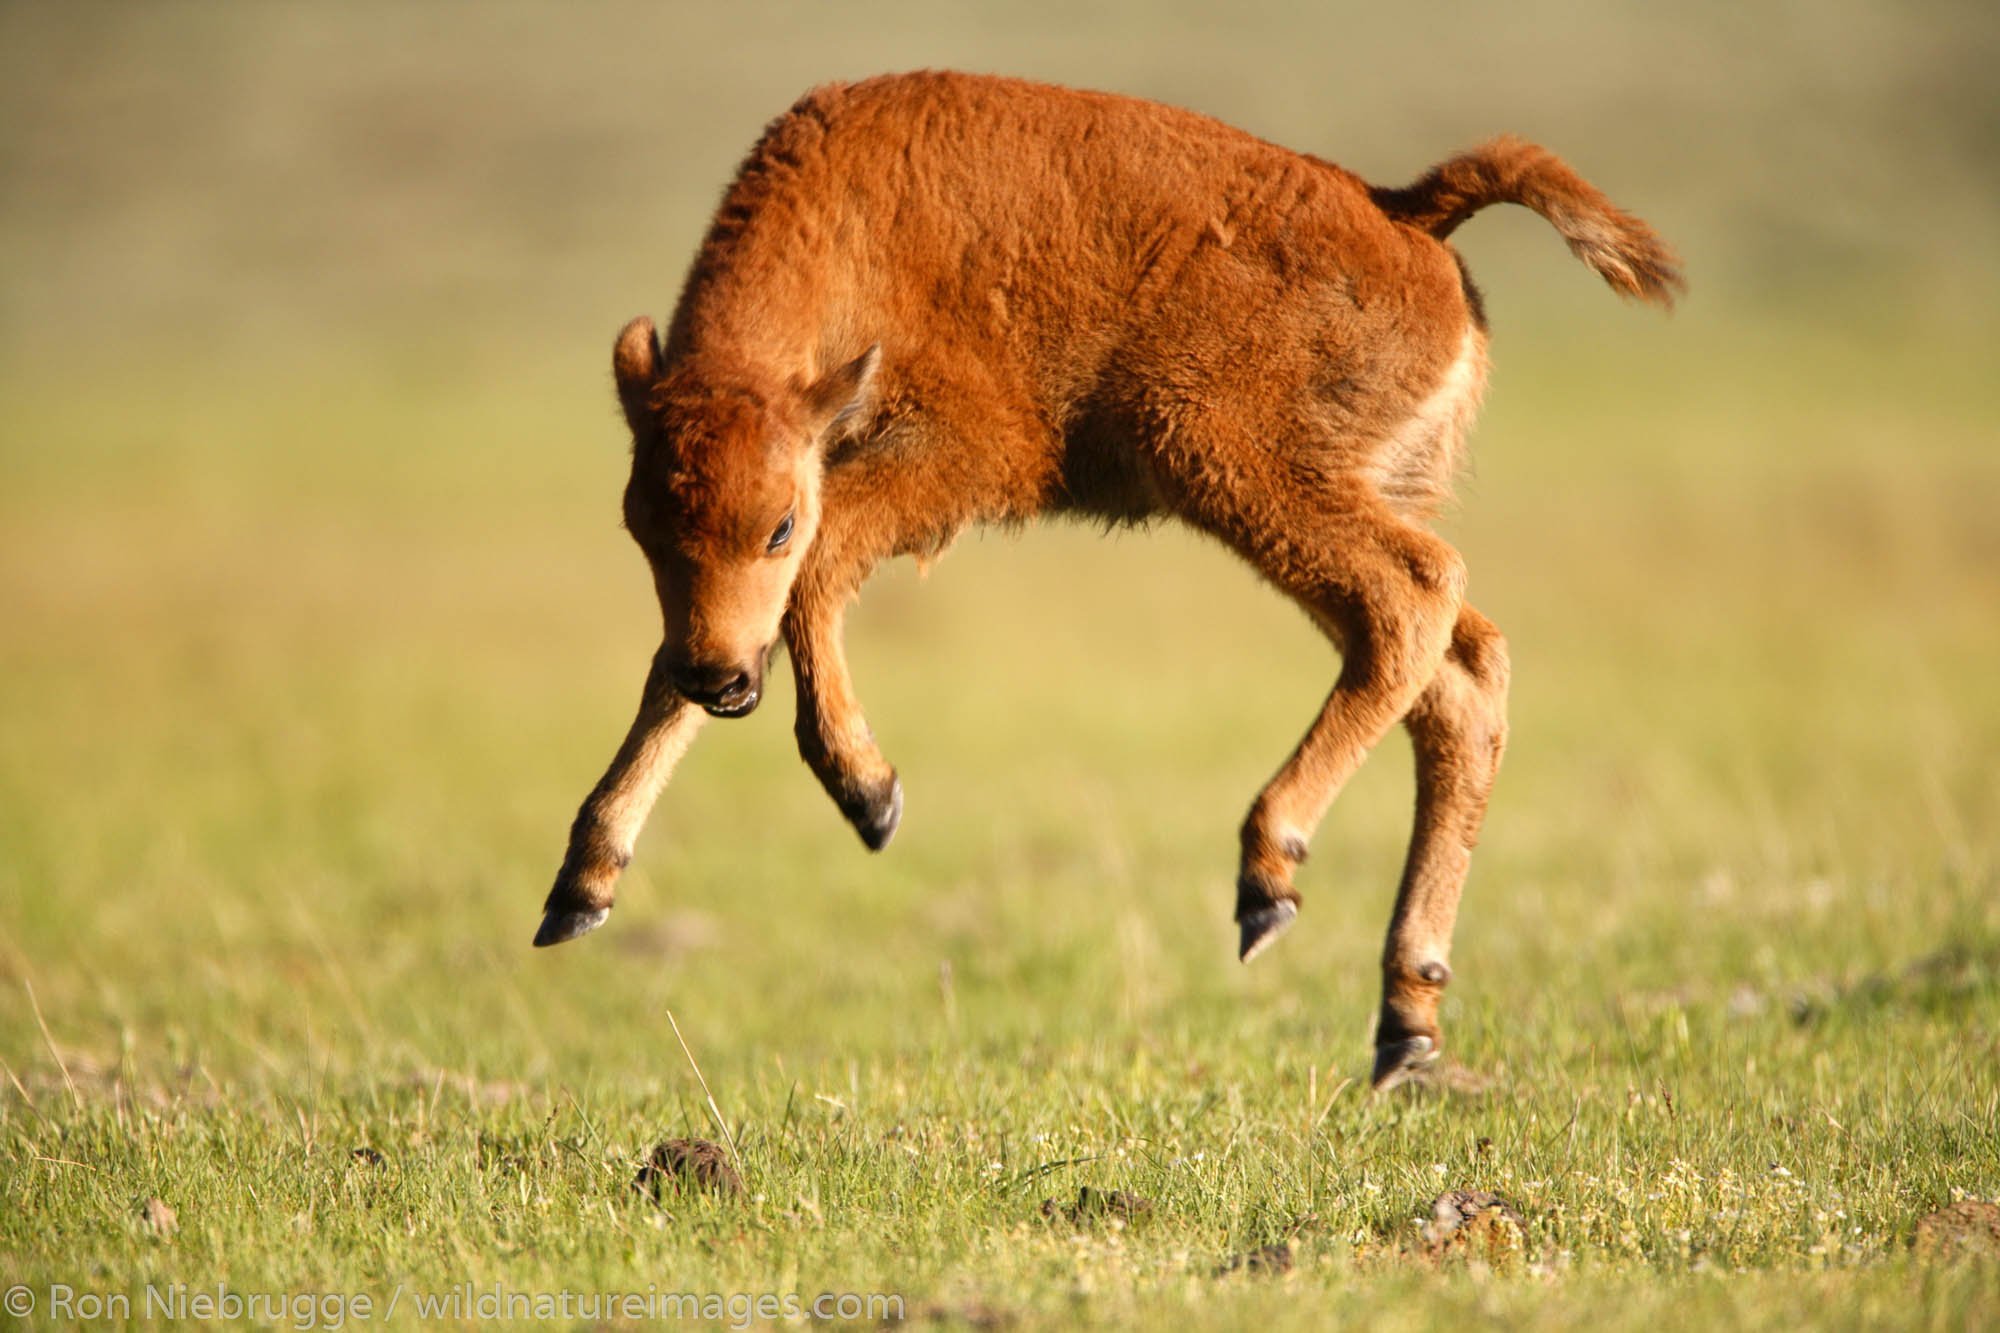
(933, 301)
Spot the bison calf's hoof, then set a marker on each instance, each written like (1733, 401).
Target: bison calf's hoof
(876, 816)
(1261, 926)
(561, 925)
(1397, 1060)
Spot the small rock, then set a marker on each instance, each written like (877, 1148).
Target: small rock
(1963, 1230)
(683, 1163)
(160, 1217)
(1268, 1260)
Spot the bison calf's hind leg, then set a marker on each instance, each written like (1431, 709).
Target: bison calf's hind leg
(1458, 729)
(1387, 593)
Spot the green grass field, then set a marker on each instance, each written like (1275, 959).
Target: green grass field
(316, 623)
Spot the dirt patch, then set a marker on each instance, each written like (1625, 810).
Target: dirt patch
(1967, 1229)
(683, 1164)
(1474, 1225)
(1265, 1261)
(981, 1317)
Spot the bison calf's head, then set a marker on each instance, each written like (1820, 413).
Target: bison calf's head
(725, 502)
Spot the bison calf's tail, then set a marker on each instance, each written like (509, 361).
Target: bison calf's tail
(1623, 250)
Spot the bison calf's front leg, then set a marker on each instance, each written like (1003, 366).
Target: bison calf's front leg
(833, 736)
(600, 841)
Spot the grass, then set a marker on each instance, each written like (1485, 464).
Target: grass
(316, 624)
(286, 774)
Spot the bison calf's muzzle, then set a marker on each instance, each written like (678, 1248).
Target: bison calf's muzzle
(725, 691)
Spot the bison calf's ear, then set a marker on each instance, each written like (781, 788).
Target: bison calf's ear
(840, 395)
(635, 361)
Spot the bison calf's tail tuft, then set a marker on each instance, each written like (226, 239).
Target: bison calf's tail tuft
(1623, 250)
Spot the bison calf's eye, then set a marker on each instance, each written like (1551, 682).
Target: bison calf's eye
(781, 535)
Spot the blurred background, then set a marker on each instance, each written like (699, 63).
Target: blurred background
(316, 619)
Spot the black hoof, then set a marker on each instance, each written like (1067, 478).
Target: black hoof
(1397, 1060)
(1261, 926)
(560, 926)
(876, 820)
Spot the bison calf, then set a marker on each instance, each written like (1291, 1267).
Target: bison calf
(934, 300)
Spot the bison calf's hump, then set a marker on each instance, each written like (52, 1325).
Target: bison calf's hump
(935, 300)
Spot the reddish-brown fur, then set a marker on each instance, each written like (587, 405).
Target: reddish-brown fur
(935, 300)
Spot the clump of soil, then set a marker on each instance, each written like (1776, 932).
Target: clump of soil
(160, 1217)
(1266, 1260)
(1967, 1229)
(981, 1317)
(672, 937)
(683, 1164)
(1447, 1078)
(1474, 1224)
(1095, 1205)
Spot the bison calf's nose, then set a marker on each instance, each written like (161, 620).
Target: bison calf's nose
(723, 691)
